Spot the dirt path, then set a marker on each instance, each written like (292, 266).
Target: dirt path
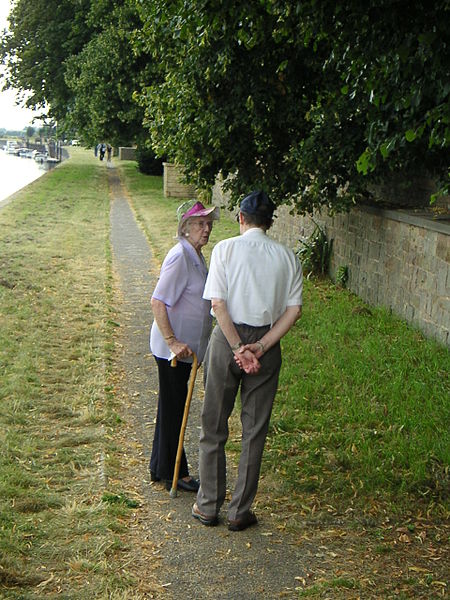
(194, 561)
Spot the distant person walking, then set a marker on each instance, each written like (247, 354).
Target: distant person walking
(255, 287)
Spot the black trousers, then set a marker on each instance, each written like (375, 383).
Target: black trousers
(173, 385)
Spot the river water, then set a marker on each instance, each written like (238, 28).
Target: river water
(17, 172)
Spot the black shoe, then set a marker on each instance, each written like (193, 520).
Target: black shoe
(241, 524)
(191, 485)
(154, 476)
(204, 519)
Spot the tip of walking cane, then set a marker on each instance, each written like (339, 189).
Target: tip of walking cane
(173, 493)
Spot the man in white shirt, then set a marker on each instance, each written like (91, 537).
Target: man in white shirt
(255, 287)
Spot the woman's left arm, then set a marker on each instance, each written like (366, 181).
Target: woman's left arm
(180, 349)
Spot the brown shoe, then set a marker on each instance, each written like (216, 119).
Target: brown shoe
(240, 524)
(204, 519)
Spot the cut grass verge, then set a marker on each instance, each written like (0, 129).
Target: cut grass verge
(58, 535)
(362, 407)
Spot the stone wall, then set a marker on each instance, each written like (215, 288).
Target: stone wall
(398, 259)
(173, 185)
(127, 153)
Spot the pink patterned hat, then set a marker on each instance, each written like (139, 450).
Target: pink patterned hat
(191, 208)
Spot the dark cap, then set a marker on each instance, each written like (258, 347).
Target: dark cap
(258, 203)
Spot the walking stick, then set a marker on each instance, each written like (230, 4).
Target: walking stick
(173, 491)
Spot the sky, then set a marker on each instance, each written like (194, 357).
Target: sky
(11, 115)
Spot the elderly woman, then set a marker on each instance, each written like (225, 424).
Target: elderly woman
(182, 325)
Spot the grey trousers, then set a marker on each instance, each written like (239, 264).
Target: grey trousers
(222, 380)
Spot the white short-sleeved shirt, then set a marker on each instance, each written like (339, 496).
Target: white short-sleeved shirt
(180, 287)
(257, 277)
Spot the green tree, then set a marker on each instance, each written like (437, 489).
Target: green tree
(318, 102)
(221, 104)
(43, 34)
(104, 76)
(315, 101)
(74, 60)
(47, 131)
(395, 71)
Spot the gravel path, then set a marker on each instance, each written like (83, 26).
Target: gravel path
(195, 561)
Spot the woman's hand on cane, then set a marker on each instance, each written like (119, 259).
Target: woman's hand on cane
(180, 349)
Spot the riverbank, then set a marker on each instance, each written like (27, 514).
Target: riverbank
(79, 516)
(16, 173)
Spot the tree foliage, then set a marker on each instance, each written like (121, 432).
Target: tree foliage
(313, 100)
(43, 34)
(104, 76)
(75, 61)
(316, 101)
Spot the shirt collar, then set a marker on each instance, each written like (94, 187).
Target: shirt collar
(255, 232)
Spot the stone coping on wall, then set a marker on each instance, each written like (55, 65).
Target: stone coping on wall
(420, 218)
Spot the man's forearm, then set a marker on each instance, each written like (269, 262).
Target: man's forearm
(225, 322)
(281, 327)
(245, 358)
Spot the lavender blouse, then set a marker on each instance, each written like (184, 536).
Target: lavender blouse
(180, 287)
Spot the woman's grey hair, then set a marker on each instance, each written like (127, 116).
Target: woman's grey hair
(184, 227)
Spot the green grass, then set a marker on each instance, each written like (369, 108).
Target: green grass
(362, 409)
(57, 536)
